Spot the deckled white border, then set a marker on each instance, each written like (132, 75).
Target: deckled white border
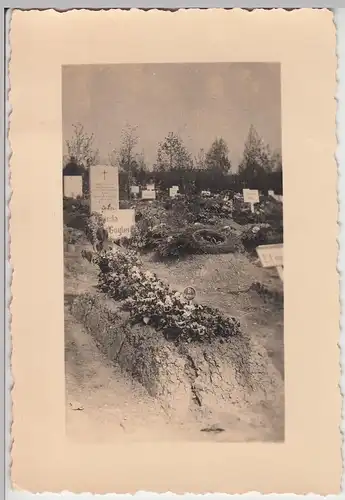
(339, 20)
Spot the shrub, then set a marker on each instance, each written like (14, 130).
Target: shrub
(94, 230)
(176, 245)
(262, 234)
(149, 300)
(75, 213)
(71, 235)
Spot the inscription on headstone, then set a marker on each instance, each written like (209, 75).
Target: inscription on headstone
(104, 188)
(119, 223)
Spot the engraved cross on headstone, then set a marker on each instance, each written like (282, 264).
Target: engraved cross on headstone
(104, 173)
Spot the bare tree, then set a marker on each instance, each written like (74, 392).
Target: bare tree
(125, 157)
(200, 160)
(140, 159)
(80, 148)
(277, 163)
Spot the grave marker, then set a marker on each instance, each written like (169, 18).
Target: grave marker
(72, 186)
(150, 187)
(272, 256)
(135, 189)
(104, 188)
(251, 196)
(148, 195)
(173, 191)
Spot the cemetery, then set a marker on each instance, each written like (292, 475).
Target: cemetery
(130, 268)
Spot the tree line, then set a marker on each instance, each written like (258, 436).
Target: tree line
(260, 168)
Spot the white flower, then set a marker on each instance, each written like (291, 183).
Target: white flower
(148, 275)
(168, 301)
(189, 307)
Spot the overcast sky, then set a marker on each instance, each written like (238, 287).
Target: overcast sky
(198, 101)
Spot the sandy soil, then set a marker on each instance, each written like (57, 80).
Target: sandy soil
(104, 405)
(222, 281)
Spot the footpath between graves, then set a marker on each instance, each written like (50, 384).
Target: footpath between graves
(161, 386)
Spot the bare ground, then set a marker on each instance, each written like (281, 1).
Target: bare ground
(105, 405)
(223, 281)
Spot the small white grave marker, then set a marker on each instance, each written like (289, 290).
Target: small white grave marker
(272, 256)
(173, 191)
(72, 186)
(119, 223)
(150, 187)
(135, 189)
(148, 195)
(251, 196)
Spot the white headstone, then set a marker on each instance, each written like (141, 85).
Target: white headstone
(148, 195)
(150, 187)
(104, 188)
(119, 223)
(134, 189)
(72, 186)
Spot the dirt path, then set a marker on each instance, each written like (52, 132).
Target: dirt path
(104, 405)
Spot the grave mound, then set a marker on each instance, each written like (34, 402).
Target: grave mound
(205, 379)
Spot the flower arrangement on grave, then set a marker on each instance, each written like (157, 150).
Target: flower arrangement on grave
(95, 231)
(151, 301)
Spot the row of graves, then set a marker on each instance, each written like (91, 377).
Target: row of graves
(149, 193)
(104, 199)
(73, 185)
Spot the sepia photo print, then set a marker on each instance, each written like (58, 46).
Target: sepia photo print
(173, 252)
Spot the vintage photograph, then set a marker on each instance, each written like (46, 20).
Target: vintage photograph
(173, 252)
